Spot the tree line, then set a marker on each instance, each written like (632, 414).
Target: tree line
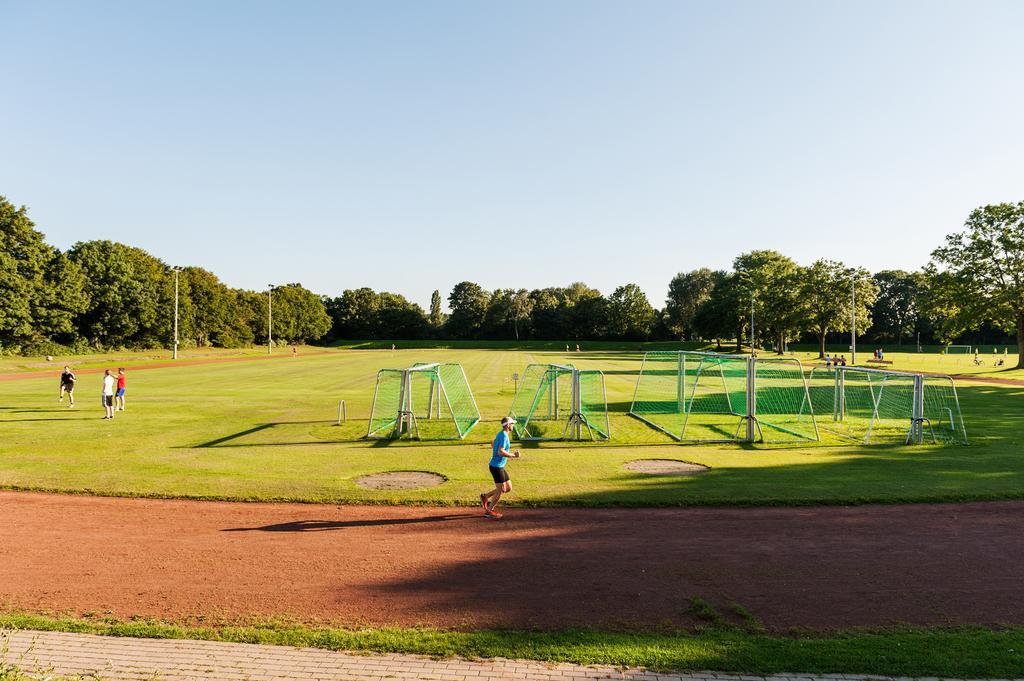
(103, 294)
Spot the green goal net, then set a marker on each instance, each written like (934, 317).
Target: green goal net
(557, 401)
(782, 403)
(941, 418)
(710, 397)
(879, 406)
(864, 405)
(425, 401)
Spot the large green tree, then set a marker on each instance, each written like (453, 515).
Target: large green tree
(41, 290)
(436, 316)
(825, 291)
(204, 307)
(630, 315)
(721, 315)
(298, 314)
(547, 318)
(507, 310)
(978, 275)
(468, 305)
(897, 309)
(399, 318)
(770, 282)
(686, 292)
(131, 295)
(354, 314)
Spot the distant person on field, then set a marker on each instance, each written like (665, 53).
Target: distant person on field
(828, 362)
(119, 395)
(577, 347)
(67, 385)
(500, 455)
(107, 394)
(842, 360)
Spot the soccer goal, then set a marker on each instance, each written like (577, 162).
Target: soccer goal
(560, 402)
(958, 349)
(881, 406)
(425, 401)
(712, 397)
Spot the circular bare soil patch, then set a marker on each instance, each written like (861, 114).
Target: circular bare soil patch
(665, 467)
(400, 480)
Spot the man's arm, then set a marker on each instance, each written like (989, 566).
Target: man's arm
(505, 453)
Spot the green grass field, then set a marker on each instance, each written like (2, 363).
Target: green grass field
(264, 430)
(958, 653)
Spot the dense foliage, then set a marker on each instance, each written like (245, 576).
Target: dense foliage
(104, 295)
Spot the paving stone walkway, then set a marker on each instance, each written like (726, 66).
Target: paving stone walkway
(109, 658)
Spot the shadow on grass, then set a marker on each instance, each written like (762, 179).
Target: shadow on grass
(72, 418)
(229, 441)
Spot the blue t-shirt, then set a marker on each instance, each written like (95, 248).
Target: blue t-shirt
(502, 441)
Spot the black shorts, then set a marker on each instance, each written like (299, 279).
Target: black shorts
(500, 475)
(67, 387)
(108, 400)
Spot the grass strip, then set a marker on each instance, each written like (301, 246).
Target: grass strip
(966, 652)
(580, 502)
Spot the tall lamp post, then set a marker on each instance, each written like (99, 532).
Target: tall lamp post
(270, 319)
(177, 269)
(853, 317)
(752, 297)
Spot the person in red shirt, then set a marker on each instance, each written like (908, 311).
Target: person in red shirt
(119, 398)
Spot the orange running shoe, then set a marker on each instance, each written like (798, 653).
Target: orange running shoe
(493, 515)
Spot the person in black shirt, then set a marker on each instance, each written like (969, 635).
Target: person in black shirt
(67, 385)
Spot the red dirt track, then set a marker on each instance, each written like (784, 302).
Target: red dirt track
(823, 568)
(153, 364)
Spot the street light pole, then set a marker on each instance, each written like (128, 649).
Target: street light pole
(176, 271)
(751, 324)
(270, 319)
(853, 317)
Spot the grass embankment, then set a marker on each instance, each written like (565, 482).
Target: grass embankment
(950, 653)
(264, 430)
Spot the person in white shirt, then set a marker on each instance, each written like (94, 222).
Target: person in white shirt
(108, 393)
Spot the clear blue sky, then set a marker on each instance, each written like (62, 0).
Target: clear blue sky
(407, 146)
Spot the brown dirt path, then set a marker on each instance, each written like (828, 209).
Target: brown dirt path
(988, 379)
(156, 364)
(831, 567)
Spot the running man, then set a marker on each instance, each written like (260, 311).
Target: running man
(500, 455)
(119, 395)
(67, 385)
(107, 395)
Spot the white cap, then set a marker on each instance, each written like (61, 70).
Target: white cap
(508, 420)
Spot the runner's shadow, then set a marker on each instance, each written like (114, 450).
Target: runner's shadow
(322, 525)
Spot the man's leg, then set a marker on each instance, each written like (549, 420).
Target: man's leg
(494, 496)
(503, 488)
